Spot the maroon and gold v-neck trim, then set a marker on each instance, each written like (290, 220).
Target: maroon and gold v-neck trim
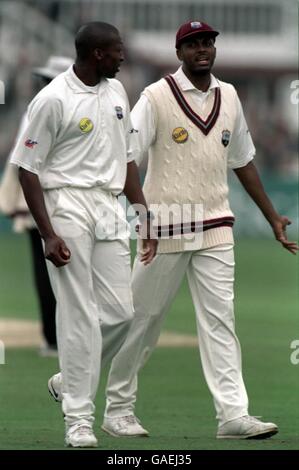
(204, 125)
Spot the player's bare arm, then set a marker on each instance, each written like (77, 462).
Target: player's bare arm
(134, 193)
(55, 249)
(250, 179)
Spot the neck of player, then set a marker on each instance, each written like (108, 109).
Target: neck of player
(201, 81)
(86, 74)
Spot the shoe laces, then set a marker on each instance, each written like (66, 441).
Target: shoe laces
(251, 419)
(130, 419)
(82, 429)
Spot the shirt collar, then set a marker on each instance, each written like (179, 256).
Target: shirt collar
(78, 86)
(186, 85)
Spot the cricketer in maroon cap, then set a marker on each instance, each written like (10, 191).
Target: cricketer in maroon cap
(195, 44)
(193, 128)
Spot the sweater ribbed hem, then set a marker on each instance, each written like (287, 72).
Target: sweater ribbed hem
(200, 241)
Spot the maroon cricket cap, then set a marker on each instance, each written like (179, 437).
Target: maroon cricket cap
(193, 27)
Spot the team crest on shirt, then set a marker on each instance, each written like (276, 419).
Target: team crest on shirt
(85, 125)
(180, 135)
(225, 137)
(119, 112)
(30, 143)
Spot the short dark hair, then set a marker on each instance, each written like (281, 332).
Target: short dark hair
(92, 35)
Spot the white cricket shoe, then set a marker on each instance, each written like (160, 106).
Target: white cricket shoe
(80, 435)
(124, 426)
(54, 387)
(246, 427)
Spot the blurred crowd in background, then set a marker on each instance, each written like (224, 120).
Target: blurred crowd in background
(257, 52)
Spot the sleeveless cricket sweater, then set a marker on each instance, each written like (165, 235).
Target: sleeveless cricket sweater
(187, 167)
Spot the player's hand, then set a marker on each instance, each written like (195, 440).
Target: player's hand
(149, 242)
(149, 250)
(56, 251)
(279, 228)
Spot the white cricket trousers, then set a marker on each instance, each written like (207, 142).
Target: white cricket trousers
(210, 274)
(93, 292)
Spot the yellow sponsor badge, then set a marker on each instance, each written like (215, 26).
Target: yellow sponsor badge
(86, 125)
(180, 135)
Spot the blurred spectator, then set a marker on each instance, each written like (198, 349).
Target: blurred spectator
(260, 90)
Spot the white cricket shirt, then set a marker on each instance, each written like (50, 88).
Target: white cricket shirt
(241, 149)
(77, 136)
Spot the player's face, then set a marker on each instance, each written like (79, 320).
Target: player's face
(111, 58)
(197, 54)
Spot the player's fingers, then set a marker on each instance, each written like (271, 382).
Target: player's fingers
(287, 242)
(144, 254)
(57, 259)
(150, 253)
(148, 258)
(291, 246)
(291, 250)
(145, 249)
(65, 253)
(59, 262)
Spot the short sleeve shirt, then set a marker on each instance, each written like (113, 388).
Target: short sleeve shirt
(77, 136)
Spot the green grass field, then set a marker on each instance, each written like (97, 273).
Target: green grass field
(174, 403)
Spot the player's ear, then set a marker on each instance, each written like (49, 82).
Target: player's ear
(98, 54)
(214, 45)
(179, 54)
